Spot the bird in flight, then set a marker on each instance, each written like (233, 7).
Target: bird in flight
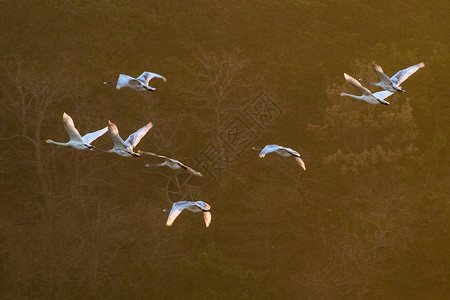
(393, 84)
(375, 98)
(126, 148)
(137, 84)
(283, 151)
(76, 140)
(171, 163)
(194, 206)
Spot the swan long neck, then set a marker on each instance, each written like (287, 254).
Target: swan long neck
(350, 95)
(109, 82)
(56, 143)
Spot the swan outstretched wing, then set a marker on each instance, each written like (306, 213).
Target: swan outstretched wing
(189, 169)
(192, 171)
(123, 81)
(115, 137)
(382, 94)
(154, 154)
(150, 153)
(71, 130)
(202, 205)
(205, 207)
(291, 151)
(402, 75)
(294, 153)
(356, 84)
(90, 137)
(207, 218)
(176, 210)
(147, 76)
(268, 149)
(379, 71)
(135, 138)
(300, 162)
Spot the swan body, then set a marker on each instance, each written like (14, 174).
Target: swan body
(171, 163)
(282, 151)
(194, 206)
(76, 140)
(393, 84)
(126, 148)
(137, 84)
(375, 98)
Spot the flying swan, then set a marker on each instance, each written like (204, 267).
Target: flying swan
(171, 163)
(393, 84)
(283, 151)
(126, 148)
(367, 95)
(137, 84)
(197, 206)
(76, 140)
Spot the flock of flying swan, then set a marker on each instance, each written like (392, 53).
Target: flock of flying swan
(389, 85)
(126, 148)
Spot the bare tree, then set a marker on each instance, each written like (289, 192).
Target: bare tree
(219, 86)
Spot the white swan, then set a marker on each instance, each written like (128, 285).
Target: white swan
(197, 206)
(393, 84)
(126, 148)
(137, 84)
(283, 151)
(171, 163)
(76, 140)
(367, 95)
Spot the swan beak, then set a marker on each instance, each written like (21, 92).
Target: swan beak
(46, 141)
